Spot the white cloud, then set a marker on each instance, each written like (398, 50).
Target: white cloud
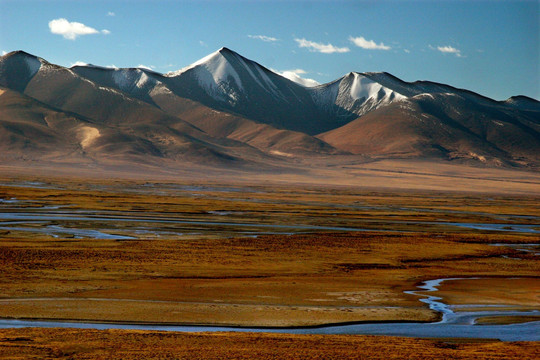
(105, 32)
(449, 50)
(263, 38)
(141, 66)
(293, 75)
(110, 13)
(407, 51)
(368, 44)
(71, 30)
(79, 63)
(298, 71)
(322, 48)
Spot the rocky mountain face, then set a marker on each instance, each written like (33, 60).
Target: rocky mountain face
(230, 111)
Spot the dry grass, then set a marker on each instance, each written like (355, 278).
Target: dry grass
(218, 277)
(503, 320)
(95, 344)
(270, 280)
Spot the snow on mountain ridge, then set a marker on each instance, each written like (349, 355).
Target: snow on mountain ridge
(365, 88)
(353, 95)
(215, 71)
(125, 79)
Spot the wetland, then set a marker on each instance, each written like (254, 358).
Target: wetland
(303, 260)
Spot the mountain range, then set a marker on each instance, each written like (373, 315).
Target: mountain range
(228, 111)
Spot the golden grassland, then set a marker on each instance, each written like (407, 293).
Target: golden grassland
(214, 275)
(501, 320)
(268, 280)
(118, 344)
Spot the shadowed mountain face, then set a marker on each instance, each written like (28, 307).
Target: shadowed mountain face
(226, 110)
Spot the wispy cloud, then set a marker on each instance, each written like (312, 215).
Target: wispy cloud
(202, 43)
(78, 63)
(448, 50)
(110, 13)
(294, 75)
(141, 66)
(319, 47)
(71, 30)
(263, 38)
(368, 44)
(407, 51)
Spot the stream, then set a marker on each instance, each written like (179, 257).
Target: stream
(8, 219)
(452, 324)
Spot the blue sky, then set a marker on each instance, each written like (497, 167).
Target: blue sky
(491, 47)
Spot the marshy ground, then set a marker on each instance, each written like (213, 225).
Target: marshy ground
(230, 254)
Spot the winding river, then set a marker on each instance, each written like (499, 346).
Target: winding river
(452, 324)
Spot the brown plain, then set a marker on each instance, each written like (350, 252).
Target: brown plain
(268, 280)
(117, 344)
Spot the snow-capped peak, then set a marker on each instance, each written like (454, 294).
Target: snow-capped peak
(208, 58)
(364, 87)
(225, 75)
(355, 93)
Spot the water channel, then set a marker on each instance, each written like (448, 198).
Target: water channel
(452, 324)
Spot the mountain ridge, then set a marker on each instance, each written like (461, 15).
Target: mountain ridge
(235, 110)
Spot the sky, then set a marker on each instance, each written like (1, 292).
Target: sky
(490, 47)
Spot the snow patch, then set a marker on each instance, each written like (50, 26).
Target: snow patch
(363, 87)
(127, 79)
(143, 80)
(160, 89)
(325, 95)
(221, 70)
(213, 73)
(354, 94)
(121, 79)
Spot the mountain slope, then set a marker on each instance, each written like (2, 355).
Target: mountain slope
(230, 111)
(152, 88)
(23, 120)
(227, 81)
(351, 96)
(223, 80)
(444, 126)
(134, 129)
(224, 125)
